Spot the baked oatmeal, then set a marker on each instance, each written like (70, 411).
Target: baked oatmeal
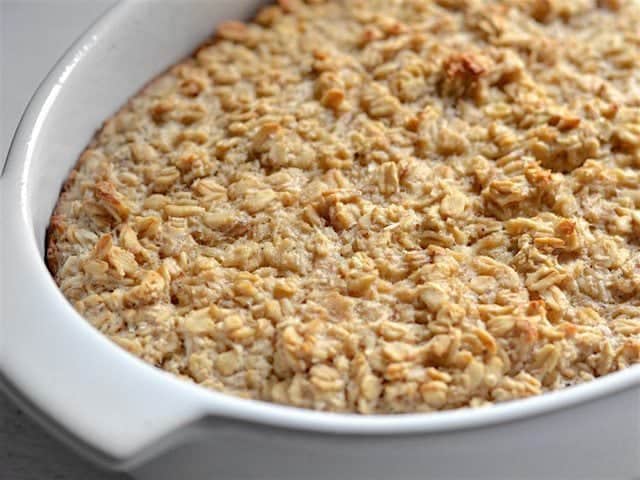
(373, 206)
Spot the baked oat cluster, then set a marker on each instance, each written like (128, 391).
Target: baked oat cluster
(373, 206)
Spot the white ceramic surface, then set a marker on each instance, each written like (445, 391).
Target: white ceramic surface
(128, 415)
(33, 36)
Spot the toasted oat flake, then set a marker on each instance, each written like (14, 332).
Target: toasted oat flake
(373, 206)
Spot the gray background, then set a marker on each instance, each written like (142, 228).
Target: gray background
(33, 35)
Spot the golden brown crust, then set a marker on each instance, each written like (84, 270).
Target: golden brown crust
(373, 207)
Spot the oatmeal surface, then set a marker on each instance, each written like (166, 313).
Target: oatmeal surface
(373, 206)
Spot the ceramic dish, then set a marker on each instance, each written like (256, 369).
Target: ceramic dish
(129, 416)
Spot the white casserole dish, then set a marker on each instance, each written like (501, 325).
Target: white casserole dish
(129, 416)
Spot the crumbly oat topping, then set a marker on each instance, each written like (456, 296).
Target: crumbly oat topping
(373, 206)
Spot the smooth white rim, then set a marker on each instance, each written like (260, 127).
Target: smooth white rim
(208, 403)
